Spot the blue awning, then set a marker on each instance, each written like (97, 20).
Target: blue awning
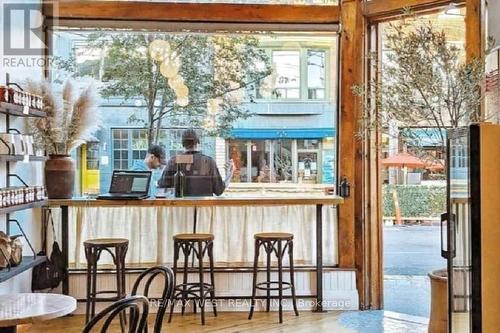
(279, 133)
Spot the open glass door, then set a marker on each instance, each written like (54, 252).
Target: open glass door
(459, 232)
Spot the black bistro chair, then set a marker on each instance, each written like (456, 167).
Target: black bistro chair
(149, 276)
(138, 307)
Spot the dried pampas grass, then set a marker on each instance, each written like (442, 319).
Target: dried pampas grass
(69, 121)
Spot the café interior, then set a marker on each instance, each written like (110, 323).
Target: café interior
(277, 226)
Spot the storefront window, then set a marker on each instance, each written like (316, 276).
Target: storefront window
(238, 153)
(283, 157)
(299, 161)
(308, 167)
(261, 158)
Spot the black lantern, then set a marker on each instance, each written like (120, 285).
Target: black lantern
(345, 188)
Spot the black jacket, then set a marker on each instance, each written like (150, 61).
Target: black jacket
(202, 177)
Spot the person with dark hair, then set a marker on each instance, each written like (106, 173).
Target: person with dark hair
(201, 172)
(154, 159)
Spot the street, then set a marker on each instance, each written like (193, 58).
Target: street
(410, 253)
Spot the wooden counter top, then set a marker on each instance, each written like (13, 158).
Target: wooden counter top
(203, 201)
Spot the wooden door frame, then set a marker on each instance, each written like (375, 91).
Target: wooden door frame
(360, 218)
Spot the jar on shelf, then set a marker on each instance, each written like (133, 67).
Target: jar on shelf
(40, 193)
(4, 94)
(8, 198)
(17, 195)
(27, 195)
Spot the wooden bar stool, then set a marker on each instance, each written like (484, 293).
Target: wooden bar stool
(117, 248)
(273, 242)
(198, 244)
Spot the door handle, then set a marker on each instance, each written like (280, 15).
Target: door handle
(444, 249)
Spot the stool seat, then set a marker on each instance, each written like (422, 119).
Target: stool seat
(274, 236)
(194, 237)
(106, 242)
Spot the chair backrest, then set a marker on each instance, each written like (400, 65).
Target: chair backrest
(149, 276)
(138, 319)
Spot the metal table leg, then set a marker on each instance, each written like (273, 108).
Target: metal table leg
(64, 244)
(319, 259)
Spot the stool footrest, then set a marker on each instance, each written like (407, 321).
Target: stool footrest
(285, 285)
(193, 287)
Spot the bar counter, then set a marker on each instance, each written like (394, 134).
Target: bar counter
(232, 200)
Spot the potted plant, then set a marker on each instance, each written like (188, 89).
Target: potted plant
(70, 120)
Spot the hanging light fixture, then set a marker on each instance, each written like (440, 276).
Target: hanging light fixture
(175, 82)
(169, 69)
(159, 49)
(182, 101)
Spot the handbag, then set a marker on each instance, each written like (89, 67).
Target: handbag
(16, 255)
(50, 273)
(5, 250)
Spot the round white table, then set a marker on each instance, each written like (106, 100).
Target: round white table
(17, 309)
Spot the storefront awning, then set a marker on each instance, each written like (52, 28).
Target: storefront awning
(292, 133)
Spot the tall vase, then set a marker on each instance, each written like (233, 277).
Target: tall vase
(59, 177)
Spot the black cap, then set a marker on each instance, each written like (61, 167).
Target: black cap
(159, 152)
(190, 138)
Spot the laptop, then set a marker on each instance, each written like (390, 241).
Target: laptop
(128, 185)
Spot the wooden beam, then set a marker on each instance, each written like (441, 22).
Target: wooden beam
(475, 33)
(351, 69)
(384, 9)
(196, 12)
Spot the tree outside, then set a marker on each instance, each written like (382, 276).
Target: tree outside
(214, 73)
(424, 82)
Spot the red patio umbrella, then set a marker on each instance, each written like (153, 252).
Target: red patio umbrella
(403, 160)
(435, 166)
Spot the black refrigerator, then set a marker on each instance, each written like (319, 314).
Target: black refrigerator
(471, 228)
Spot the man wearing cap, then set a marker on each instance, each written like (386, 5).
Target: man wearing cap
(201, 172)
(154, 159)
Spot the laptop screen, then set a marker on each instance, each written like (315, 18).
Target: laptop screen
(130, 182)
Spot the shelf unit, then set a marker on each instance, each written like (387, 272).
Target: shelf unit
(18, 111)
(20, 158)
(30, 205)
(27, 263)
(12, 110)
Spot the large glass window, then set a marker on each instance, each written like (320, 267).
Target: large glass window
(266, 101)
(284, 161)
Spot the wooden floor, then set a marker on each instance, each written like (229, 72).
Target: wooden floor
(226, 322)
